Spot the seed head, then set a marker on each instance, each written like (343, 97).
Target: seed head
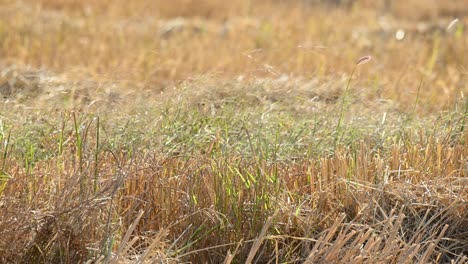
(452, 24)
(363, 60)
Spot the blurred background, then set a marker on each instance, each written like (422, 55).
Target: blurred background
(151, 45)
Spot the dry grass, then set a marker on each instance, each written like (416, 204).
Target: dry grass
(230, 132)
(144, 43)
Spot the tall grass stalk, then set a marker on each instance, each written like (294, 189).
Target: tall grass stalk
(4, 177)
(360, 61)
(96, 156)
(418, 93)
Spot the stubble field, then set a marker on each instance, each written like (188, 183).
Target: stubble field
(205, 131)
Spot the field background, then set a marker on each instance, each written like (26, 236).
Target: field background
(246, 131)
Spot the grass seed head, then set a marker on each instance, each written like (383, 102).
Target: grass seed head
(452, 25)
(363, 60)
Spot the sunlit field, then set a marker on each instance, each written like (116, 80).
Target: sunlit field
(244, 131)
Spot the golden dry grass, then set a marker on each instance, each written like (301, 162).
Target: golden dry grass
(207, 131)
(153, 44)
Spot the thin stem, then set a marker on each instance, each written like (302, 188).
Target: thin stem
(340, 119)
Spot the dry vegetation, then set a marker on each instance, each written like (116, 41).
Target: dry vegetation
(210, 131)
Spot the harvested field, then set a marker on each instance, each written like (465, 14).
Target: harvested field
(204, 131)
